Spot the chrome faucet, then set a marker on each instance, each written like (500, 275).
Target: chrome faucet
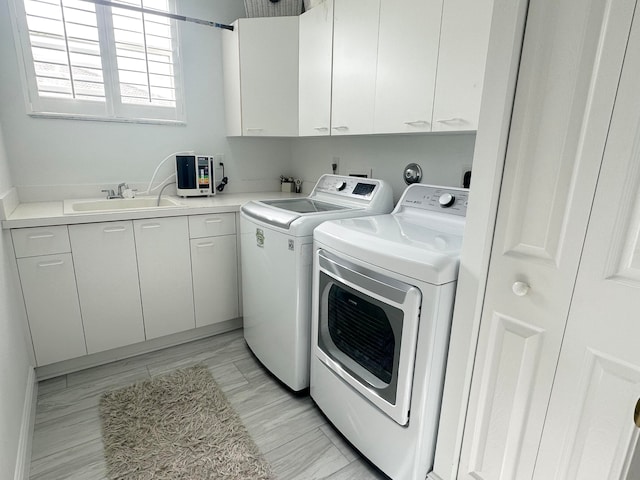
(120, 187)
(111, 194)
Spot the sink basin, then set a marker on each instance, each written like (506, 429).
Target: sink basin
(116, 204)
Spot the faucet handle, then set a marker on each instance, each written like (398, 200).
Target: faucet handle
(110, 193)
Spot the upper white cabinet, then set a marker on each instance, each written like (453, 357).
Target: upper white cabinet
(104, 256)
(260, 61)
(164, 268)
(464, 38)
(316, 43)
(406, 65)
(355, 55)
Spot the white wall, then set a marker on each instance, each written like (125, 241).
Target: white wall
(442, 157)
(16, 356)
(89, 155)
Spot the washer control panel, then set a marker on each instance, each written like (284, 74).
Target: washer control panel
(355, 187)
(449, 200)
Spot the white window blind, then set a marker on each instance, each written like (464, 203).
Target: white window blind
(87, 60)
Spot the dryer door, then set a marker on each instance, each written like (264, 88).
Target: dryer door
(367, 332)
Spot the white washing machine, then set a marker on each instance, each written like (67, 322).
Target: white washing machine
(383, 291)
(276, 251)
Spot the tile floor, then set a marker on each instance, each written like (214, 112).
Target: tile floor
(289, 429)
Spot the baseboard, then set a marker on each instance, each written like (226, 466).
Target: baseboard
(23, 459)
(87, 361)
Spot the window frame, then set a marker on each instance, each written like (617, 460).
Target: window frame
(112, 110)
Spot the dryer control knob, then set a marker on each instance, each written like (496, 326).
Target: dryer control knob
(446, 200)
(341, 185)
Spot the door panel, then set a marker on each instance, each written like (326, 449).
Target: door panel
(571, 62)
(590, 432)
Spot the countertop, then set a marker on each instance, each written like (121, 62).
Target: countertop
(40, 214)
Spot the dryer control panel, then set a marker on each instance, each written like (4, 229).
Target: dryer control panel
(449, 200)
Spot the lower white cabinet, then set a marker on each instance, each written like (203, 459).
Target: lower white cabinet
(51, 299)
(94, 287)
(215, 279)
(164, 269)
(104, 256)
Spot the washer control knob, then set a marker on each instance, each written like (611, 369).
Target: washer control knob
(341, 185)
(446, 200)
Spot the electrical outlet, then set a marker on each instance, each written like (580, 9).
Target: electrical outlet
(218, 159)
(335, 165)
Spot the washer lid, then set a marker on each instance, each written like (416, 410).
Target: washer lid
(282, 213)
(407, 244)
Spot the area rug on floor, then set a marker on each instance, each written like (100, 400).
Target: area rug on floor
(178, 426)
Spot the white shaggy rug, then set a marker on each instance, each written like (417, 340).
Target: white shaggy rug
(178, 426)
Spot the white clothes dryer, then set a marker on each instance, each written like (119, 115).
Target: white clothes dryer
(276, 256)
(383, 291)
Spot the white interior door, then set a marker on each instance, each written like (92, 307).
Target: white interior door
(571, 62)
(590, 432)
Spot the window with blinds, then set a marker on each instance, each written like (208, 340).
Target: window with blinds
(88, 60)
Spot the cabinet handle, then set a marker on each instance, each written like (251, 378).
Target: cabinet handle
(341, 128)
(417, 123)
(204, 245)
(113, 229)
(636, 414)
(255, 129)
(150, 225)
(520, 288)
(50, 264)
(321, 129)
(43, 235)
(447, 121)
(213, 220)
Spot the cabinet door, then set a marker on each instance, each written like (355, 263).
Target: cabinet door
(589, 430)
(316, 43)
(231, 78)
(164, 267)
(564, 98)
(407, 60)
(464, 38)
(215, 279)
(269, 76)
(104, 255)
(355, 54)
(51, 299)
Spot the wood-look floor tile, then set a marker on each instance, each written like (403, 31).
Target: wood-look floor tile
(286, 426)
(230, 351)
(340, 442)
(52, 385)
(282, 421)
(227, 376)
(64, 432)
(358, 470)
(309, 456)
(83, 396)
(82, 462)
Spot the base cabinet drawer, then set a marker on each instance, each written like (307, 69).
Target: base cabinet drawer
(215, 279)
(51, 300)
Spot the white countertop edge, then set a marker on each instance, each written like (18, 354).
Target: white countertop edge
(41, 214)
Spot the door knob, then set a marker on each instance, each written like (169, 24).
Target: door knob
(520, 288)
